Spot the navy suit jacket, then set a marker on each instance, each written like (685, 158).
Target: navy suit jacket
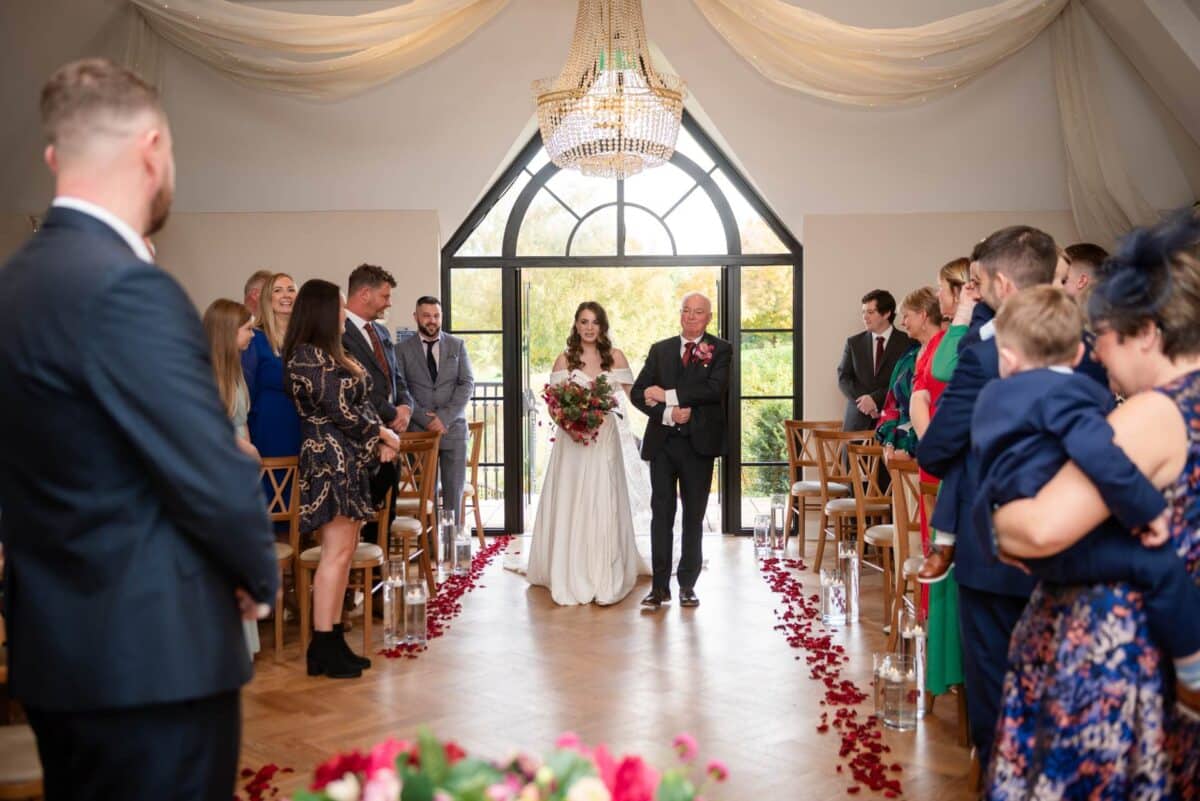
(129, 514)
(945, 451)
(1049, 418)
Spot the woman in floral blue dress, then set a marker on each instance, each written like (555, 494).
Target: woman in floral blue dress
(1089, 701)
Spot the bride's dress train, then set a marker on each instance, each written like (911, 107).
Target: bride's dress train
(583, 547)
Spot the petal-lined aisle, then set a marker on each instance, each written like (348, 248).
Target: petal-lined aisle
(516, 670)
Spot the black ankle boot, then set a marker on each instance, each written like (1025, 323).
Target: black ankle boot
(362, 662)
(325, 657)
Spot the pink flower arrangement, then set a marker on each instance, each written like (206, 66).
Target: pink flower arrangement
(704, 353)
(429, 769)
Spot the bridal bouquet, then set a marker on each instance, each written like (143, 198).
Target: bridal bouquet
(578, 407)
(428, 770)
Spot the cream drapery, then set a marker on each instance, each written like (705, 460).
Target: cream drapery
(891, 67)
(1104, 201)
(318, 56)
(326, 57)
(856, 66)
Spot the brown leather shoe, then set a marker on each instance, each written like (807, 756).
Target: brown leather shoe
(937, 565)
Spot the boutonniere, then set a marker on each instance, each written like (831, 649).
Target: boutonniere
(704, 353)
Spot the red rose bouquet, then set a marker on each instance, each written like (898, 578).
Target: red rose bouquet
(578, 408)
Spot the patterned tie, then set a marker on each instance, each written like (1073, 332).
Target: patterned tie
(430, 361)
(689, 351)
(377, 346)
(878, 353)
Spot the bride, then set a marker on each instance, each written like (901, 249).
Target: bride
(583, 546)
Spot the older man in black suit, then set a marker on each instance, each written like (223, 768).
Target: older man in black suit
(868, 361)
(135, 533)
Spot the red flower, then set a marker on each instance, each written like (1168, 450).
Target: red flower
(454, 752)
(631, 779)
(336, 767)
(717, 770)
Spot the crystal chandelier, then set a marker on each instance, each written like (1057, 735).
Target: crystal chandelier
(609, 113)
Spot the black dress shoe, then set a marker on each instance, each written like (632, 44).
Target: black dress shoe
(688, 598)
(656, 598)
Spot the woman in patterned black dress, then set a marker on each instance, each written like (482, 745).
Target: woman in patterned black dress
(341, 437)
(1089, 708)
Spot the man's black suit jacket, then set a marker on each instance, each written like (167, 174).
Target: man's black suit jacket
(704, 388)
(387, 391)
(857, 375)
(129, 515)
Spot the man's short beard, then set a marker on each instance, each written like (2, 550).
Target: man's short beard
(160, 210)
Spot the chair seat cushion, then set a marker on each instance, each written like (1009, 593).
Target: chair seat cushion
(468, 490)
(283, 551)
(19, 762)
(365, 552)
(411, 504)
(847, 505)
(881, 534)
(406, 525)
(912, 564)
(814, 488)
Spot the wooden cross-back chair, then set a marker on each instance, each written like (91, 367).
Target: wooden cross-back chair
(471, 488)
(280, 474)
(906, 545)
(366, 558)
(414, 530)
(805, 494)
(872, 511)
(839, 513)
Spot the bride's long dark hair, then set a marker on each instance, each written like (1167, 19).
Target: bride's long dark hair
(575, 342)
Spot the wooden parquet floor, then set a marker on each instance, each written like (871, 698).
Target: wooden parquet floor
(514, 671)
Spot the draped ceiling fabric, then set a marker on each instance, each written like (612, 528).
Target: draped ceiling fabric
(327, 57)
(316, 56)
(1104, 200)
(855, 66)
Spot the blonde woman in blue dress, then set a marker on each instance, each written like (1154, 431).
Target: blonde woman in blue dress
(584, 548)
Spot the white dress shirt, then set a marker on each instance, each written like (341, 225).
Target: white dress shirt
(672, 395)
(123, 229)
(437, 348)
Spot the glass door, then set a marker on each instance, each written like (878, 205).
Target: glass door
(642, 304)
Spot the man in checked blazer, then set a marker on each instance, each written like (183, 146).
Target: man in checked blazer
(868, 361)
(434, 367)
(368, 296)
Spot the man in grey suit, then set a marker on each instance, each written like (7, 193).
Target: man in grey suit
(437, 372)
(868, 360)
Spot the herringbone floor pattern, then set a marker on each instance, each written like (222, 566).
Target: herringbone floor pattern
(514, 671)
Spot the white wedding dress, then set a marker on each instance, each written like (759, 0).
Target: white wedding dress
(583, 547)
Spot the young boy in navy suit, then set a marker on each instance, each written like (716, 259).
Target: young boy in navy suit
(1042, 414)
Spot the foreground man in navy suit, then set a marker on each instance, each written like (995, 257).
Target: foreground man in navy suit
(134, 531)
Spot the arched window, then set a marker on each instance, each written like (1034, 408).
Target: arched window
(543, 240)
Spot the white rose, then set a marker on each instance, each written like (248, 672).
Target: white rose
(344, 789)
(589, 788)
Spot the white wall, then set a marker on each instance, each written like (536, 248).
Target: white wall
(896, 252)
(432, 138)
(877, 197)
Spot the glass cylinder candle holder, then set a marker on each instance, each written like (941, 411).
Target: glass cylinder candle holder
(833, 598)
(849, 566)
